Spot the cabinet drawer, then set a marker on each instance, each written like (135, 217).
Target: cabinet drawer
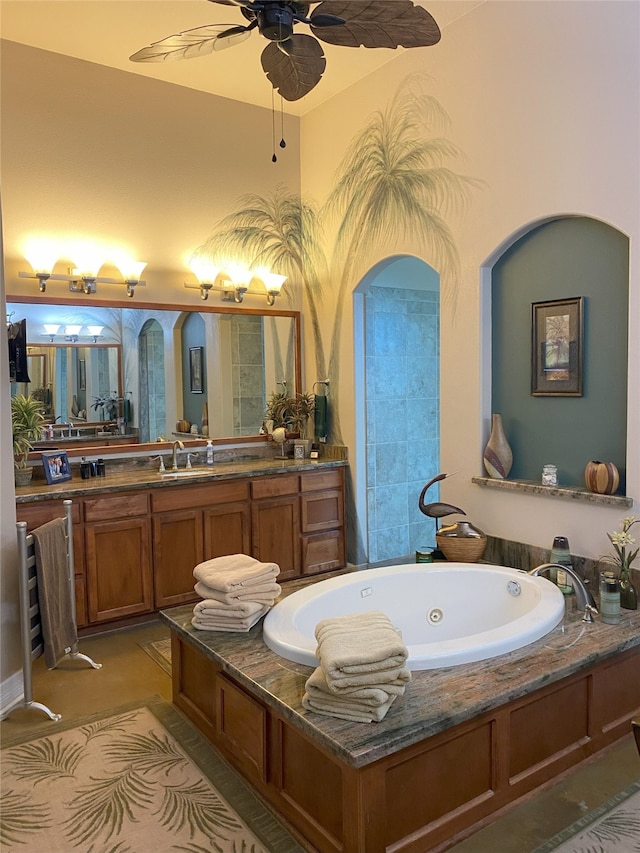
(116, 506)
(321, 511)
(241, 726)
(315, 481)
(271, 487)
(39, 513)
(322, 552)
(200, 495)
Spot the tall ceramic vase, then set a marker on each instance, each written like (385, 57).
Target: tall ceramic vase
(497, 456)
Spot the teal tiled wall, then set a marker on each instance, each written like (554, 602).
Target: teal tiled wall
(402, 413)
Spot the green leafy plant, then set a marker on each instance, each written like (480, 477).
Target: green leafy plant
(289, 412)
(621, 541)
(26, 424)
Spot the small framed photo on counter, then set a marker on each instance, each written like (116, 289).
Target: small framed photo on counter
(56, 467)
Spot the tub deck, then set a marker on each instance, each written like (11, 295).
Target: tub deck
(461, 743)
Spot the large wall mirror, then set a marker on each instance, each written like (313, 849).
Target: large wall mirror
(158, 368)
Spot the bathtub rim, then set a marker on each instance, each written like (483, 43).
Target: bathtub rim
(298, 648)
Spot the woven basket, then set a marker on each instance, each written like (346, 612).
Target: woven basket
(462, 549)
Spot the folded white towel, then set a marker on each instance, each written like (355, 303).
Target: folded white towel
(317, 688)
(365, 647)
(235, 571)
(346, 710)
(233, 625)
(208, 608)
(265, 593)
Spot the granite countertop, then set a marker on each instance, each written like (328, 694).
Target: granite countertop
(120, 478)
(433, 701)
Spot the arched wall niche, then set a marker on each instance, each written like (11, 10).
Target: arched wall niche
(558, 257)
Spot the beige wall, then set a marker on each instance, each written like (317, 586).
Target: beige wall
(544, 100)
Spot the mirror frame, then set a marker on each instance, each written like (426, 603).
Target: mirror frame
(150, 447)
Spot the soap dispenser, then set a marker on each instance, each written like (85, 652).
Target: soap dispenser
(209, 452)
(561, 555)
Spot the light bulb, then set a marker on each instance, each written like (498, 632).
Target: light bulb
(204, 269)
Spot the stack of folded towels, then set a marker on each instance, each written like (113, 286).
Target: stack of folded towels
(236, 591)
(362, 667)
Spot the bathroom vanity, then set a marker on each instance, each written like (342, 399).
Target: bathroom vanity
(462, 743)
(138, 535)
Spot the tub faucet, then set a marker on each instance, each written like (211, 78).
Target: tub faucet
(584, 599)
(177, 445)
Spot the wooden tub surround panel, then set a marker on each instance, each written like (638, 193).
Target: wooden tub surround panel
(461, 744)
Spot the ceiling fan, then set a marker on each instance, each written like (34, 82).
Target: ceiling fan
(294, 62)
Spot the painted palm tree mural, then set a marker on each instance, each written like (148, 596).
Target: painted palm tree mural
(393, 184)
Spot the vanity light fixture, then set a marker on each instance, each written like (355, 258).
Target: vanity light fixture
(233, 281)
(51, 329)
(71, 332)
(95, 332)
(83, 277)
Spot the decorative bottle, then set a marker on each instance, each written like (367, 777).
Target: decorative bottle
(628, 594)
(497, 456)
(609, 598)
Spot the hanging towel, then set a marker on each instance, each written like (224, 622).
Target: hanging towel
(320, 417)
(54, 590)
(235, 571)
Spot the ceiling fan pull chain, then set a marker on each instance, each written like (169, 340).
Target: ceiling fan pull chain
(274, 159)
(283, 144)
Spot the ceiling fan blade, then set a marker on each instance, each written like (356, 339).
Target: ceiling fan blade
(238, 31)
(377, 23)
(294, 73)
(323, 20)
(191, 43)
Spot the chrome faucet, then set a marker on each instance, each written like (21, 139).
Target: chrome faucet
(177, 445)
(584, 599)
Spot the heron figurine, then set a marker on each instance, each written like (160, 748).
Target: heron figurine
(437, 509)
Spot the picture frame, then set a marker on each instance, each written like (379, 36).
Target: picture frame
(82, 374)
(56, 467)
(557, 347)
(196, 358)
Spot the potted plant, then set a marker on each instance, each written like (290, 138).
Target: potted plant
(26, 424)
(280, 410)
(303, 406)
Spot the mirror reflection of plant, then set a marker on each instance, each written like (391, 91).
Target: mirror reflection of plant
(109, 406)
(27, 418)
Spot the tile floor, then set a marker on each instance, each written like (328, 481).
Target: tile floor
(129, 674)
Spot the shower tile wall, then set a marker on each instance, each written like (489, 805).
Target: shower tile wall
(247, 352)
(402, 412)
(152, 418)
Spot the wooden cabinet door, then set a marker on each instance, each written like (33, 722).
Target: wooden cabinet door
(275, 526)
(119, 571)
(227, 530)
(177, 549)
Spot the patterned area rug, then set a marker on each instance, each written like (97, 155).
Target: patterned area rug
(614, 827)
(160, 651)
(141, 780)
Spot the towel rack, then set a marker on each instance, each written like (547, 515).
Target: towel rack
(31, 626)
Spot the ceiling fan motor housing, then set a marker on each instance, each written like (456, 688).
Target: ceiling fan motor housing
(275, 22)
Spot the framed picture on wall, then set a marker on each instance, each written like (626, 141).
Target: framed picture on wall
(82, 374)
(195, 369)
(56, 467)
(557, 348)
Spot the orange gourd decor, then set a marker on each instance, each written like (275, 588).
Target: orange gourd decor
(601, 477)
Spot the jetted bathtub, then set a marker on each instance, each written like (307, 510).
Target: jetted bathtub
(448, 613)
